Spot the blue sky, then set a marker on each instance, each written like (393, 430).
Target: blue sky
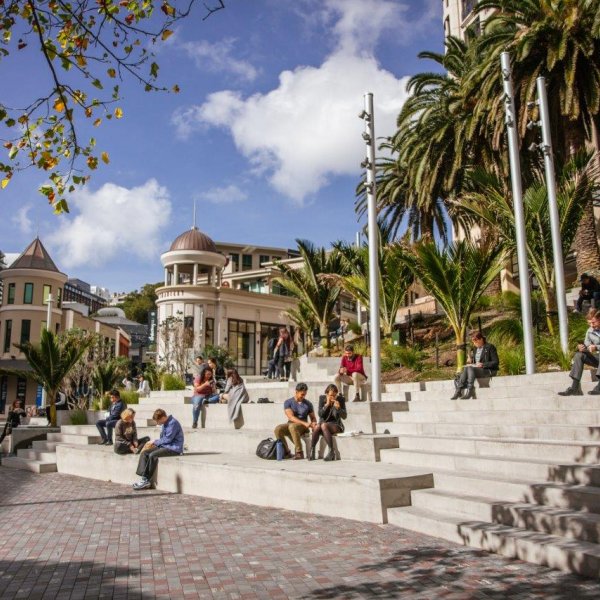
(264, 135)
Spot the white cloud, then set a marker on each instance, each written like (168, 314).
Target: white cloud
(218, 58)
(223, 195)
(306, 130)
(22, 220)
(112, 222)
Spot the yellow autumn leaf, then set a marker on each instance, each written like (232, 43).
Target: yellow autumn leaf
(4, 182)
(97, 122)
(59, 105)
(166, 34)
(105, 158)
(118, 113)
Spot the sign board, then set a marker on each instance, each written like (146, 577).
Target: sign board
(21, 389)
(152, 325)
(38, 395)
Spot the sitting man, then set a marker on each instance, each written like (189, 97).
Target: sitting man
(351, 372)
(301, 418)
(483, 361)
(587, 354)
(106, 426)
(590, 290)
(170, 443)
(143, 387)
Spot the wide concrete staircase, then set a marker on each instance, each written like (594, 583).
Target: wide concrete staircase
(516, 471)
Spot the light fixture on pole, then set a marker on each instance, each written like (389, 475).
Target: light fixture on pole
(48, 327)
(358, 306)
(517, 194)
(369, 137)
(559, 269)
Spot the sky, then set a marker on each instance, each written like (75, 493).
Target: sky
(264, 136)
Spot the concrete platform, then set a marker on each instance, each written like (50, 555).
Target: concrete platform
(348, 489)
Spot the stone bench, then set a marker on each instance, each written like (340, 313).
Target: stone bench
(347, 489)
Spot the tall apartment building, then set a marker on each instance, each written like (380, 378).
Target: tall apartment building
(460, 18)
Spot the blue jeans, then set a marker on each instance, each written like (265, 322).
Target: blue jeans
(198, 402)
(105, 427)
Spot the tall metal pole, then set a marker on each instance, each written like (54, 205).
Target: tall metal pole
(517, 193)
(559, 269)
(369, 137)
(358, 306)
(49, 328)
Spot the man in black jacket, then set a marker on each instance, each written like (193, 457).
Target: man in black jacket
(484, 363)
(106, 426)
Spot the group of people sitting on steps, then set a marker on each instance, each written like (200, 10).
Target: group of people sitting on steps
(120, 420)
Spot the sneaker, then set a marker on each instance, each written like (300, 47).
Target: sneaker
(194, 425)
(574, 390)
(143, 484)
(299, 456)
(102, 443)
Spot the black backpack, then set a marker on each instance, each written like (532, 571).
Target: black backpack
(267, 449)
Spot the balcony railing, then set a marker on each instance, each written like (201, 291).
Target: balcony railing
(467, 7)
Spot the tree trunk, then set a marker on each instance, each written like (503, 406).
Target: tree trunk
(461, 349)
(586, 241)
(52, 400)
(324, 332)
(549, 296)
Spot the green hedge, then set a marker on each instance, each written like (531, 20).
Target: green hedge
(172, 382)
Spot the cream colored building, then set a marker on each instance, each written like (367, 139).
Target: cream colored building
(459, 17)
(226, 296)
(28, 283)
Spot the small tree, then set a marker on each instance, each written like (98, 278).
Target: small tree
(456, 276)
(177, 344)
(51, 361)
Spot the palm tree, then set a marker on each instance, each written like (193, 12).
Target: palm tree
(395, 277)
(561, 41)
(304, 321)
(436, 139)
(303, 283)
(488, 202)
(106, 376)
(456, 276)
(51, 361)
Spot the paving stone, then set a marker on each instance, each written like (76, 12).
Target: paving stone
(72, 538)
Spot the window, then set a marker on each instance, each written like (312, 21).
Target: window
(28, 294)
(46, 293)
(278, 289)
(7, 335)
(11, 294)
(58, 298)
(275, 257)
(246, 262)
(264, 258)
(25, 330)
(467, 7)
(235, 262)
(209, 332)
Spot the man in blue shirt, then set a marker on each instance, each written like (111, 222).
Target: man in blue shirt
(301, 417)
(106, 426)
(170, 443)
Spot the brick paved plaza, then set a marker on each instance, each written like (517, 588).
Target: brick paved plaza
(64, 537)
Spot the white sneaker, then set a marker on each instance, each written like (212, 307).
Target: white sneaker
(143, 484)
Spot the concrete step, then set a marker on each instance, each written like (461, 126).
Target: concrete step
(362, 416)
(520, 381)
(530, 432)
(485, 507)
(44, 446)
(44, 456)
(550, 550)
(581, 452)
(508, 417)
(506, 467)
(537, 392)
(74, 438)
(368, 489)
(28, 464)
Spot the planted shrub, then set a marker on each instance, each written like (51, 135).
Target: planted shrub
(512, 360)
(78, 416)
(130, 397)
(172, 382)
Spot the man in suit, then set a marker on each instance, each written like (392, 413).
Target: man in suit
(106, 426)
(484, 362)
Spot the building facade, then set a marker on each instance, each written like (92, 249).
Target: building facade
(460, 18)
(29, 283)
(225, 295)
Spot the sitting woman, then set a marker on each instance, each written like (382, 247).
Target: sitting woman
(235, 394)
(126, 439)
(15, 412)
(205, 391)
(332, 410)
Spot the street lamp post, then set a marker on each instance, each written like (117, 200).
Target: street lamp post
(48, 328)
(559, 269)
(517, 194)
(369, 164)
